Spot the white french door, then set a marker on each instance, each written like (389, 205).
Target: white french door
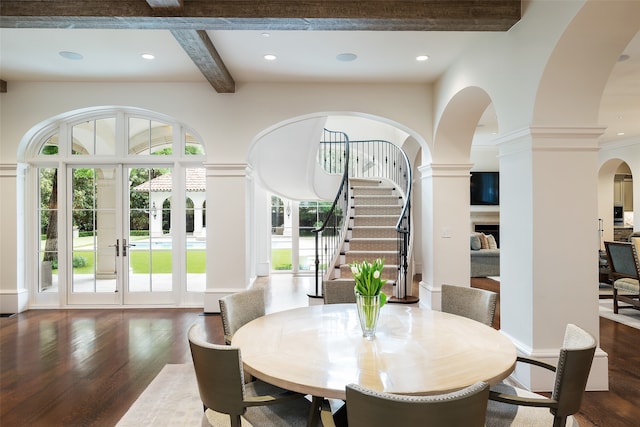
(120, 253)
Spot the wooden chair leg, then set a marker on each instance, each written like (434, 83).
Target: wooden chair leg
(615, 300)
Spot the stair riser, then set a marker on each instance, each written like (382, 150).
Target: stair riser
(350, 257)
(383, 232)
(388, 272)
(376, 200)
(378, 210)
(389, 221)
(373, 191)
(359, 182)
(373, 245)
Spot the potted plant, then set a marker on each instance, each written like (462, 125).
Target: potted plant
(369, 295)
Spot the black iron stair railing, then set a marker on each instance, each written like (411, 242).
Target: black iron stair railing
(334, 157)
(364, 159)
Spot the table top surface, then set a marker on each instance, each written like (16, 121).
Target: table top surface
(319, 349)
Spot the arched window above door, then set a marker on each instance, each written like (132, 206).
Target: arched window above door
(114, 132)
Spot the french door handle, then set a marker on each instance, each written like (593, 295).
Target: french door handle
(117, 246)
(125, 246)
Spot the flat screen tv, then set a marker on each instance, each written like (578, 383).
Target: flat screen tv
(485, 188)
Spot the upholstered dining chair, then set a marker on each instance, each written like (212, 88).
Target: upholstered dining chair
(476, 304)
(222, 388)
(625, 273)
(511, 406)
(239, 309)
(337, 292)
(368, 408)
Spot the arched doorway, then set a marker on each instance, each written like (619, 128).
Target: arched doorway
(110, 229)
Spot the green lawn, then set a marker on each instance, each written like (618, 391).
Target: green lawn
(140, 262)
(281, 259)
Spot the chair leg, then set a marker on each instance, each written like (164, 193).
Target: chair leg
(235, 420)
(559, 421)
(615, 300)
(314, 412)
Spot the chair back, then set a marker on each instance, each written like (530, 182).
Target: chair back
(336, 292)
(239, 309)
(219, 373)
(574, 365)
(463, 408)
(476, 304)
(622, 259)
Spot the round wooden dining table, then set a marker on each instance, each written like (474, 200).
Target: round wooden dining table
(319, 349)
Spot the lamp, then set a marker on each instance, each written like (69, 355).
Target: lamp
(154, 210)
(288, 209)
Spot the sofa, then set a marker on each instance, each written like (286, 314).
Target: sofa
(485, 255)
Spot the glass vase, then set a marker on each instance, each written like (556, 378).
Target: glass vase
(368, 313)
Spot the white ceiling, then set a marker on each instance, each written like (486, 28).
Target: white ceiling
(303, 56)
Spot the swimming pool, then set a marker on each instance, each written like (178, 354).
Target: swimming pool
(165, 245)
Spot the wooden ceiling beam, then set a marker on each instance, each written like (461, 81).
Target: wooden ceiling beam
(203, 53)
(200, 48)
(326, 15)
(166, 3)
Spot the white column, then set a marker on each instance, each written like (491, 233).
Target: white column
(155, 224)
(227, 234)
(13, 293)
(445, 225)
(262, 221)
(198, 199)
(549, 245)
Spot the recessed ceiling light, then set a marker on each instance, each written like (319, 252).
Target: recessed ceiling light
(147, 56)
(265, 35)
(422, 57)
(346, 57)
(620, 133)
(71, 55)
(270, 57)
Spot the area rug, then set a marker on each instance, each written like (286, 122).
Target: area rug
(627, 316)
(172, 400)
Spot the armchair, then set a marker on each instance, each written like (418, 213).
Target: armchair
(625, 273)
(510, 406)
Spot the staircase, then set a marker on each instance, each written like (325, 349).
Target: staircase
(375, 207)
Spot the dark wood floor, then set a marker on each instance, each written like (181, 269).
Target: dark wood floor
(86, 367)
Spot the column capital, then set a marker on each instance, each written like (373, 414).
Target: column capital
(445, 170)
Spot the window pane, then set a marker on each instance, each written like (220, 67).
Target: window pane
(193, 145)
(83, 138)
(50, 146)
(281, 252)
(149, 137)
(196, 229)
(48, 248)
(105, 142)
(151, 244)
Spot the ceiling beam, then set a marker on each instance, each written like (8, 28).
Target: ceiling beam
(201, 50)
(165, 3)
(326, 15)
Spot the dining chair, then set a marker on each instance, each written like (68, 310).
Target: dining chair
(338, 292)
(473, 303)
(625, 273)
(222, 388)
(512, 406)
(239, 309)
(369, 408)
